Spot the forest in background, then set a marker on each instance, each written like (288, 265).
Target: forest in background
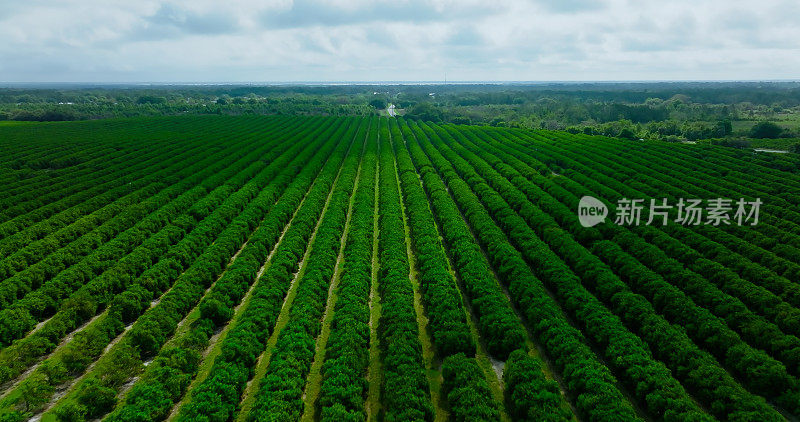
(729, 113)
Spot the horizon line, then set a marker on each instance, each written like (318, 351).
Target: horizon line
(6, 84)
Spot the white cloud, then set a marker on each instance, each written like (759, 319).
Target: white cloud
(328, 40)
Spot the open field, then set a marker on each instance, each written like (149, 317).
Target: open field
(252, 268)
(779, 144)
(789, 121)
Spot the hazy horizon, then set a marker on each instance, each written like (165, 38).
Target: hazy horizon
(50, 84)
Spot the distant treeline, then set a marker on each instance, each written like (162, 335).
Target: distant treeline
(664, 110)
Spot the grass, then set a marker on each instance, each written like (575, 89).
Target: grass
(374, 371)
(249, 395)
(16, 123)
(787, 121)
(314, 378)
(780, 143)
(215, 348)
(263, 361)
(183, 327)
(432, 363)
(481, 355)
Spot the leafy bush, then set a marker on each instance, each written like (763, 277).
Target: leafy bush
(766, 130)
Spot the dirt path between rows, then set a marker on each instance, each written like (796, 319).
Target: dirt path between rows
(251, 388)
(372, 405)
(314, 377)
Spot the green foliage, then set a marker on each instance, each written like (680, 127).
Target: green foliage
(529, 396)
(12, 417)
(768, 130)
(425, 111)
(166, 380)
(378, 103)
(43, 115)
(405, 389)
(343, 385)
(131, 303)
(151, 99)
(35, 394)
(281, 391)
(534, 302)
(723, 128)
(447, 317)
(113, 237)
(96, 398)
(771, 370)
(626, 133)
(71, 412)
(467, 390)
(14, 324)
(216, 311)
(734, 143)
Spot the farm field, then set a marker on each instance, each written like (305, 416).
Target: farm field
(263, 268)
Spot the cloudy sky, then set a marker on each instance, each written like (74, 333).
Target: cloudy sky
(397, 40)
